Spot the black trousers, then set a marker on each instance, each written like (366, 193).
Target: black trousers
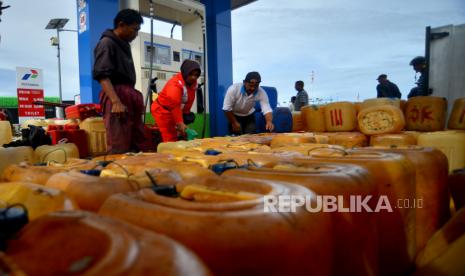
(247, 125)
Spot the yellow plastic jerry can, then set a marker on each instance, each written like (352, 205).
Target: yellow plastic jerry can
(59, 153)
(37, 199)
(15, 155)
(450, 142)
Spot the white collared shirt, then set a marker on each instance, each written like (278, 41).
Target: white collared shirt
(241, 104)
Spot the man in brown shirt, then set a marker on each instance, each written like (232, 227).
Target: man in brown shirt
(123, 106)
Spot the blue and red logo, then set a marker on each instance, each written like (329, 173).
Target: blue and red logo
(34, 74)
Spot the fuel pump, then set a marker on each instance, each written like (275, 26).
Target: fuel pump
(160, 57)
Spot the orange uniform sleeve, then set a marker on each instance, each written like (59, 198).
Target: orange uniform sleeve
(171, 99)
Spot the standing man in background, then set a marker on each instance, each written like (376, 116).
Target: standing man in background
(301, 97)
(292, 104)
(387, 89)
(239, 102)
(5, 115)
(123, 105)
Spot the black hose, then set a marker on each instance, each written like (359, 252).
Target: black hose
(172, 29)
(205, 73)
(205, 94)
(152, 50)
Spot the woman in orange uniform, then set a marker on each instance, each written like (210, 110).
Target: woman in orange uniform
(175, 101)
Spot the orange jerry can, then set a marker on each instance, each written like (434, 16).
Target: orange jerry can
(8, 267)
(163, 172)
(288, 153)
(37, 199)
(457, 116)
(344, 139)
(29, 173)
(379, 102)
(313, 117)
(432, 193)
(457, 187)
(260, 138)
(450, 142)
(258, 239)
(88, 191)
(381, 119)
(426, 113)
(393, 140)
(394, 175)
(138, 164)
(355, 243)
(15, 155)
(40, 174)
(443, 255)
(291, 139)
(403, 105)
(82, 243)
(245, 158)
(340, 116)
(6, 134)
(297, 122)
(96, 135)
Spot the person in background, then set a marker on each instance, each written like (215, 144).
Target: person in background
(171, 109)
(292, 104)
(5, 115)
(386, 88)
(239, 102)
(301, 97)
(419, 66)
(122, 104)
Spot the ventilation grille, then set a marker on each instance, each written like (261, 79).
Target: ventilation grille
(160, 75)
(146, 74)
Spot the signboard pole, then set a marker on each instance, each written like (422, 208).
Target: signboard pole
(59, 110)
(59, 66)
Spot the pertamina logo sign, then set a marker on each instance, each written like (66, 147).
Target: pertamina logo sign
(29, 78)
(33, 75)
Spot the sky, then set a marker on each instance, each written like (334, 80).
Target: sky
(346, 44)
(26, 43)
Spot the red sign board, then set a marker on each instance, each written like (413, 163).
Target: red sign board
(26, 97)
